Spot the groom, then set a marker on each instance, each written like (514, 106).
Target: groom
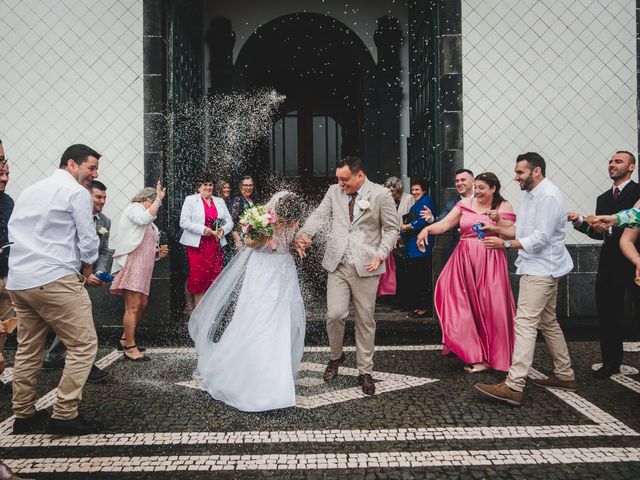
(363, 228)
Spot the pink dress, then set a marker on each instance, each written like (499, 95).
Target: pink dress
(205, 261)
(387, 284)
(473, 298)
(137, 270)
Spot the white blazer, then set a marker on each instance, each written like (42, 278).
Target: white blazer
(192, 220)
(133, 223)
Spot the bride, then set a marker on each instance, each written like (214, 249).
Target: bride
(253, 362)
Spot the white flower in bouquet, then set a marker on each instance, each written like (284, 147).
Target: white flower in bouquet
(257, 222)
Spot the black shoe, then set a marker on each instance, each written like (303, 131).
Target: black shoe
(97, 375)
(29, 424)
(606, 371)
(120, 347)
(53, 364)
(76, 426)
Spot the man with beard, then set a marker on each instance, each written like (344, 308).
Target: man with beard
(615, 273)
(542, 260)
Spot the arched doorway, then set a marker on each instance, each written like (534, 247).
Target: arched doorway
(329, 79)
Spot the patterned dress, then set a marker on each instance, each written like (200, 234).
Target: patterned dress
(629, 218)
(138, 269)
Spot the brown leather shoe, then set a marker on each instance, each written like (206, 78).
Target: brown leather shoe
(331, 371)
(368, 387)
(500, 391)
(555, 382)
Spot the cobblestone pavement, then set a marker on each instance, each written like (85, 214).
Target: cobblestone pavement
(426, 421)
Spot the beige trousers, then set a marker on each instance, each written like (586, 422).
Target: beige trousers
(537, 311)
(64, 306)
(6, 307)
(344, 285)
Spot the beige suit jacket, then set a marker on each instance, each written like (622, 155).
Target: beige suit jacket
(372, 233)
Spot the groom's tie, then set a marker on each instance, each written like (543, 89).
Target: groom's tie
(352, 202)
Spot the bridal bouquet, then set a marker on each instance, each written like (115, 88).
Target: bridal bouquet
(257, 222)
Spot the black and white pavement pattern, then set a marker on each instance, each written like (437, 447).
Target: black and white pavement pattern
(425, 421)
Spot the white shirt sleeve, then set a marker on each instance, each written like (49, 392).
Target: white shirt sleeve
(544, 225)
(82, 213)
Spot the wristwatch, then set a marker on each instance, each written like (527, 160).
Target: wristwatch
(507, 244)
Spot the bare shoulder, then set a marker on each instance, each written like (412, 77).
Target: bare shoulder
(506, 207)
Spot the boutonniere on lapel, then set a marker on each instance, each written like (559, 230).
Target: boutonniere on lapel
(101, 230)
(364, 204)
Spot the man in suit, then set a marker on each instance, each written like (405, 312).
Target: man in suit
(57, 351)
(364, 227)
(464, 187)
(615, 273)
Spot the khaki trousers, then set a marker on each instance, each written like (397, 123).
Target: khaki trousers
(344, 285)
(6, 307)
(64, 306)
(537, 311)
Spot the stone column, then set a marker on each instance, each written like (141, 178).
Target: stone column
(450, 100)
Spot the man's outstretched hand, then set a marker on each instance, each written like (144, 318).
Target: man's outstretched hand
(302, 243)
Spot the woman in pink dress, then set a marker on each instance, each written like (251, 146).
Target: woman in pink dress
(473, 296)
(136, 250)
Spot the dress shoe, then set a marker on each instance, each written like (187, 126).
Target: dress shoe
(500, 391)
(53, 364)
(75, 426)
(97, 375)
(555, 382)
(332, 368)
(606, 371)
(30, 424)
(368, 387)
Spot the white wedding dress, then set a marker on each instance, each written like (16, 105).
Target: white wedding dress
(253, 363)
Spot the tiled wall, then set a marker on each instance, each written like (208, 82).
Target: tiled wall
(71, 72)
(553, 76)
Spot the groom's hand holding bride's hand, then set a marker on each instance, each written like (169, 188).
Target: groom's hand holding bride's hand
(302, 243)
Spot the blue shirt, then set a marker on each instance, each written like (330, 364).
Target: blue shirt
(418, 224)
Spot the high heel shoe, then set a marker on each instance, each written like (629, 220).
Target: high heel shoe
(120, 347)
(476, 368)
(143, 358)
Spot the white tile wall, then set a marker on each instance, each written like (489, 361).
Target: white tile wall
(553, 76)
(71, 72)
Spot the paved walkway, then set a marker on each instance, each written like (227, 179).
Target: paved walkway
(426, 421)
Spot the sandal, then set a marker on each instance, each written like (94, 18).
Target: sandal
(120, 347)
(143, 358)
(476, 368)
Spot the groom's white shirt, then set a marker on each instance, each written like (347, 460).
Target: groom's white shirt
(372, 232)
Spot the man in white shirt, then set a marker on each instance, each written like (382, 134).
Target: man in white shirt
(542, 260)
(54, 246)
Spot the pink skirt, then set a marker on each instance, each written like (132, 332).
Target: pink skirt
(138, 269)
(387, 285)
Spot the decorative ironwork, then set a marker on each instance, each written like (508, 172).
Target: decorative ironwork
(424, 130)
(186, 114)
